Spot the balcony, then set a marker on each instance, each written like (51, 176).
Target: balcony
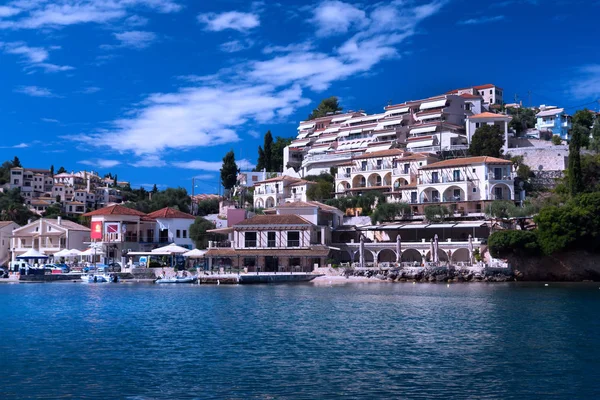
(343, 175)
(501, 177)
(443, 179)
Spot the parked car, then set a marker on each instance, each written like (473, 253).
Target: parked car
(64, 267)
(114, 267)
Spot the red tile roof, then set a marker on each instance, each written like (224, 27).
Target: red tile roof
(470, 96)
(308, 204)
(115, 209)
(168, 212)
(460, 162)
(274, 220)
(486, 86)
(485, 115)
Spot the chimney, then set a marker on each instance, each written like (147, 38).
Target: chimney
(59, 219)
(28, 221)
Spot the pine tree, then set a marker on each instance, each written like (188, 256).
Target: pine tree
(268, 150)
(574, 168)
(487, 141)
(328, 105)
(154, 189)
(16, 162)
(229, 171)
(52, 170)
(61, 170)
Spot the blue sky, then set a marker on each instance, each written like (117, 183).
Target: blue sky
(158, 91)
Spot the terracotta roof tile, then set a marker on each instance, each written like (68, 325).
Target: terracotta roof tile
(278, 179)
(274, 220)
(460, 162)
(168, 212)
(485, 115)
(115, 209)
(307, 204)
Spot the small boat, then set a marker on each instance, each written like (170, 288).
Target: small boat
(96, 278)
(176, 279)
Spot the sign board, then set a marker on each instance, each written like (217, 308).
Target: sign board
(112, 227)
(96, 232)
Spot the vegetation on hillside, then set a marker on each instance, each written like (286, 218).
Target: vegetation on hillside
(270, 154)
(487, 141)
(326, 106)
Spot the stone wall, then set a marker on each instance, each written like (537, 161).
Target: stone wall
(567, 267)
(554, 158)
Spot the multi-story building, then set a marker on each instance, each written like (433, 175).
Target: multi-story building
(31, 181)
(554, 120)
(6, 231)
(490, 93)
(293, 239)
(276, 191)
(121, 230)
(487, 118)
(49, 236)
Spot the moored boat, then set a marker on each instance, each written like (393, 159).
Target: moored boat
(177, 279)
(96, 278)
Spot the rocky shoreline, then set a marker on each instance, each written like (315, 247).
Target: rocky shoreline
(425, 274)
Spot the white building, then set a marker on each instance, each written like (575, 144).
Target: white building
(49, 236)
(276, 191)
(6, 231)
(490, 93)
(177, 224)
(487, 118)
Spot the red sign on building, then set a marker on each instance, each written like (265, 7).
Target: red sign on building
(96, 230)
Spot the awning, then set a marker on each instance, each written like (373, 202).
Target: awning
(379, 148)
(315, 134)
(394, 226)
(302, 136)
(221, 230)
(414, 226)
(306, 126)
(470, 225)
(419, 143)
(425, 129)
(343, 134)
(326, 139)
(433, 104)
(299, 143)
(332, 130)
(384, 134)
(441, 226)
(390, 123)
(315, 150)
(431, 116)
(340, 119)
(355, 131)
(402, 110)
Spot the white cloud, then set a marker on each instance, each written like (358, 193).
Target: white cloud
(101, 163)
(587, 85)
(254, 134)
(481, 20)
(195, 116)
(8, 11)
(36, 14)
(34, 57)
(215, 109)
(336, 17)
(136, 21)
(234, 46)
(16, 146)
(51, 120)
(235, 20)
(35, 91)
(149, 161)
(215, 166)
(90, 90)
(135, 39)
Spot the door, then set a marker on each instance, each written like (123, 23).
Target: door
(498, 193)
(456, 175)
(498, 174)
(271, 264)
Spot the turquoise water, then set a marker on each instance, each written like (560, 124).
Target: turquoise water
(363, 341)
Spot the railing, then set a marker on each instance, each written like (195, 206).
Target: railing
(343, 175)
(328, 157)
(503, 197)
(496, 177)
(444, 179)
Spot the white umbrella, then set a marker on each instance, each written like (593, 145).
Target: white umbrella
(171, 249)
(471, 249)
(361, 252)
(431, 250)
(32, 253)
(62, 253)
(74, 253)
(196, 253)
(436, 246)
(398, 247)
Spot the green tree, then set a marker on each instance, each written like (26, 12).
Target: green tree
(574, 167)
(53, 211)
(513, 242)
(199, 234)
(208, 206)
(322, 190)
(52, 170)
(390, 212)
(436, 213)
(154, 189)
(584, 118)
(229, 171)
(595, 141)
(328, 105)
(12, 207)
(523, 119)
(277, 153)
(488, 140)
(171, 197)
(556, 140)
(16, 162)
(61, 170)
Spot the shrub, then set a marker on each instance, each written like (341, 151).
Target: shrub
(436, 213)
(556, 140)
(520, 243)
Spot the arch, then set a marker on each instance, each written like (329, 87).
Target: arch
(504, 194)
(430, 195)
(343, 186)
(359, 181)
(374, 180)
(398, 183)
(387, 179)
(461, 255)
(451, 194)
(411, 255)
(270, 202)
(369, 256)
(441, 253)
(386, 255)
(346, 256)
(259, 203)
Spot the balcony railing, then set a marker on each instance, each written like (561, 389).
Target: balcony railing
(342, 175)
(501, 177)
(443, 179)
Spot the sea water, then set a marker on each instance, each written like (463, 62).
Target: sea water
(303, 341)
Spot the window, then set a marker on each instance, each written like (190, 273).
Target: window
(456, 175)
(184, 234)
(293, 239)
(178, 233)
(363, 166)
(150, 235)
(250, 239)
(271, 239)
(456, 194)
(473, 170)
(406, 168)
(254, 178)
(474, 190)
(15, 182)
(491, 91)
(435, 177)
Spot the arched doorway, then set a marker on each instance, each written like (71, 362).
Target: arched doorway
(374, 180)
(454, 193)
(411, 255)
(386, 255)
(259, 203)
(359, 181)
(461, 255)
(270, 202)
(343, 186)
(441, 254)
